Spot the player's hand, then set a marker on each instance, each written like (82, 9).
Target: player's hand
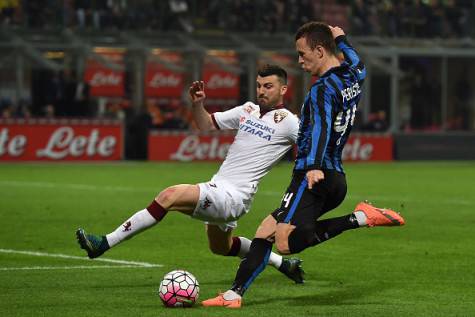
(336, 31)
(314, 176)
(197, 91)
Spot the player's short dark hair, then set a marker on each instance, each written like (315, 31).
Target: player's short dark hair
(317, 33)
(268, 70)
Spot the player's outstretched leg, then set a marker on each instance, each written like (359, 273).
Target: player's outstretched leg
(372, 216)
(292, 268)
(222, 242)
(181, 198)
(94, 245)
(251, 266)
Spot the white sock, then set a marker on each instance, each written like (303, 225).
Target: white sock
(140, 221)
(245, 246)
(361, 218)
(274, 259)
(230, 295)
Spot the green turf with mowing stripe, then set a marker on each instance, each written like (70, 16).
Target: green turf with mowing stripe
(426, 268)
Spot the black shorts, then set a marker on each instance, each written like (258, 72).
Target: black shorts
(301, 205)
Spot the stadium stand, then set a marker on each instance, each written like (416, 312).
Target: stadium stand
(129, 60)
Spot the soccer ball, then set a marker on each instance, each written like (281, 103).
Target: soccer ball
(179, 288)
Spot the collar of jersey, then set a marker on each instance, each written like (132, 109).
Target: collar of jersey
(335, 69)
(280, 106)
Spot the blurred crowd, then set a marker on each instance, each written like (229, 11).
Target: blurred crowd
(398, 18)
(64, 95)
(415, 18)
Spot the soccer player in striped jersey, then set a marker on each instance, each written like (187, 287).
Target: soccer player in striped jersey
(318, 182)
(265, 132)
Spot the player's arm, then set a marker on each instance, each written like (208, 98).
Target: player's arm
(350, 54)
(294, 129)
(321, 129)
(203, 119)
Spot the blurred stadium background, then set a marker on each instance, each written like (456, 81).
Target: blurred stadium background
(108, 79)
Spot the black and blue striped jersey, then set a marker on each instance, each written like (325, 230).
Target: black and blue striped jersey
(328, 113)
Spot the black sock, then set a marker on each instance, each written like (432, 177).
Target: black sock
(253, 264)
(330, 228)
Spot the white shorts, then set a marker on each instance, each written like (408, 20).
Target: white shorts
(221, 204)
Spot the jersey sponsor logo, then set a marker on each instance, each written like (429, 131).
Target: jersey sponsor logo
(249, 109)
(127, 226)
(279, 115)
(255, 132)
(257, 129)
(206, 203)
(260, 126)
(350, 92)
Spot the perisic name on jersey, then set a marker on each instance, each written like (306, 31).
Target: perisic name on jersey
(351, 92)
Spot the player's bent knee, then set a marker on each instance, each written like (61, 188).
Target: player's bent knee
(168, 196)
(301, 238)
(267, 229)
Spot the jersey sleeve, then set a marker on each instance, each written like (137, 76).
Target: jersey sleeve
(227, 119)
(351, 56)
(293, 128)
(321, 118)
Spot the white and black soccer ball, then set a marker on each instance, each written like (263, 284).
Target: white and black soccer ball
(179, 288)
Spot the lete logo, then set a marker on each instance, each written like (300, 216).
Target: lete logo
(103, 79)
(162, 80)
(192, 149)
(63, 142)
(217, 81)
(355, 150)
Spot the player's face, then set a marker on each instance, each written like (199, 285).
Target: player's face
(310, 60)
(270, 91)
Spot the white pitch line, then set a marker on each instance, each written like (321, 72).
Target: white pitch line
(65, 256)
(74, 267)
(74, 186)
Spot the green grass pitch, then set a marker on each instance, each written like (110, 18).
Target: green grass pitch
(426, 268)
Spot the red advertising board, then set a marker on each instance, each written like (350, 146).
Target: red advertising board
(103, 81)
(163, 146)
(188, 147)
(367, 147)
(221, 83)
(55, 140)
(161, 81)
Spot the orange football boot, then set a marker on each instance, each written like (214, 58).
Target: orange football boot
(379, 216)
(221, 302)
